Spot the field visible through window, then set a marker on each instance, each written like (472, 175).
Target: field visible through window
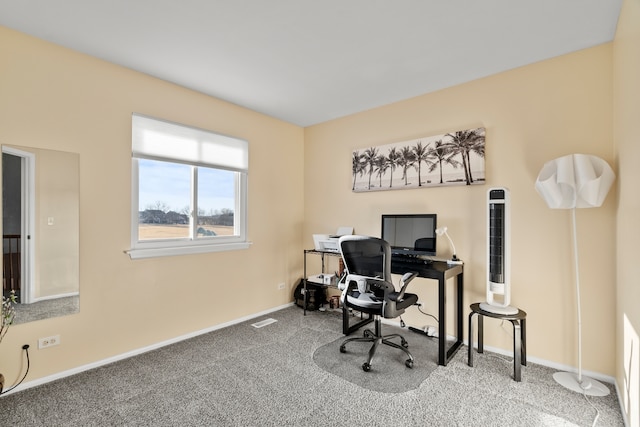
(176, 231)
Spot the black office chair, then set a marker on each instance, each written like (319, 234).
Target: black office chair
(368, 288)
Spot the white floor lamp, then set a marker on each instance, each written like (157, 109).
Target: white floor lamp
(570, 182)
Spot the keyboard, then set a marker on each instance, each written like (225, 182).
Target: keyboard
(411, 259)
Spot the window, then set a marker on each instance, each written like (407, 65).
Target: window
(189, 190)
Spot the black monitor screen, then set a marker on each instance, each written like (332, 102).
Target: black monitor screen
(410, 234)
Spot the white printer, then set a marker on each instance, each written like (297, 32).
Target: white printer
(329, 242)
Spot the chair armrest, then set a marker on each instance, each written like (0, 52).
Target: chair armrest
(404, 281)
(350, 283)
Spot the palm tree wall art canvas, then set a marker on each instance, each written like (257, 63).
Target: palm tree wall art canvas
(455, 158)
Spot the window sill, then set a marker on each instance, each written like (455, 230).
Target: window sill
(141, 253)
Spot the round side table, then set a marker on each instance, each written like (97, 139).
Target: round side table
(519, 322)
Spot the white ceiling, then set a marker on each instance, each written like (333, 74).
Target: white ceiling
(309, 61)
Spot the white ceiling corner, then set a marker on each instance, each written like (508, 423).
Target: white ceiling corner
(309, 61)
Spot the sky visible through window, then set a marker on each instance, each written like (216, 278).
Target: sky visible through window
(168, 184)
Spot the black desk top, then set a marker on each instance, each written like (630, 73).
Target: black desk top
(431, 270)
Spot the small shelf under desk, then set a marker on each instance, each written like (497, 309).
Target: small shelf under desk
(305, 277)
(347, 328)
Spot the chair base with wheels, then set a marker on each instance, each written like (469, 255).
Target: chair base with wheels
(378, 298)
(377, 338)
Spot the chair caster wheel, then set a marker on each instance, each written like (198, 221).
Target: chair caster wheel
(367, 334)
(409, 363)
(405, 344)
(366, 367)
(342, 349)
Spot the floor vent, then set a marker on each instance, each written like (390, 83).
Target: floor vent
(263, 323)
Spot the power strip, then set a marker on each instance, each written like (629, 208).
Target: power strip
(430, 331)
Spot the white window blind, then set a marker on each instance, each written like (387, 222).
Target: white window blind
(162, 140)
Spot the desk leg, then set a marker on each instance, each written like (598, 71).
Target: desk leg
(347, 328)
(444, 354)
(345, 320)
(304, 287)
(460, 308)
(517, 350)
(442, 316)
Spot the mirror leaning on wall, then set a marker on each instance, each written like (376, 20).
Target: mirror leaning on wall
(40, 231)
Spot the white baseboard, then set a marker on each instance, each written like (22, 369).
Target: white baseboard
(553, 365)
(138, 351)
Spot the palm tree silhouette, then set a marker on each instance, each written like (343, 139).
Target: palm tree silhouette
(462, 143)
(421, 156)
(393, 159)
(358, 166)
(382, 164)
(441, 154)
(369, 157)
(407, 160)
(477, 147)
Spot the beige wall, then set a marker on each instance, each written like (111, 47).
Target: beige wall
(57, 245)
(531, 115)
(54, 98)
(626, 66)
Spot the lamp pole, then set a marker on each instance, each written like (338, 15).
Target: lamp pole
(577, 270)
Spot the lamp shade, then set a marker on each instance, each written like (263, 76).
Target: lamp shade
(575, 181)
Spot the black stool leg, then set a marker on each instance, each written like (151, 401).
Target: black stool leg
(517, 350)
(480, 333)
(470, 356)
(523, 331)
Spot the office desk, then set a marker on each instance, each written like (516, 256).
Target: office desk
(436, 270)
(440, 271)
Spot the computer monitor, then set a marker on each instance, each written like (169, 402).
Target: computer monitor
(410, 234)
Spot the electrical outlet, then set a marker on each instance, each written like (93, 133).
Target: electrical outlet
(281, 286)
(48, 341)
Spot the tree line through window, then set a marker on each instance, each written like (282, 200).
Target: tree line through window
(218, 222)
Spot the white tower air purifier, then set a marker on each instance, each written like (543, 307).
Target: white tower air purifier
(498, 253)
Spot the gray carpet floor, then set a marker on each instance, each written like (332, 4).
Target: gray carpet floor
(243, 376)
(388, 372)
(46, 309)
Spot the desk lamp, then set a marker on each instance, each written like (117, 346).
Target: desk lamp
(454, 259)
(570, 182)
